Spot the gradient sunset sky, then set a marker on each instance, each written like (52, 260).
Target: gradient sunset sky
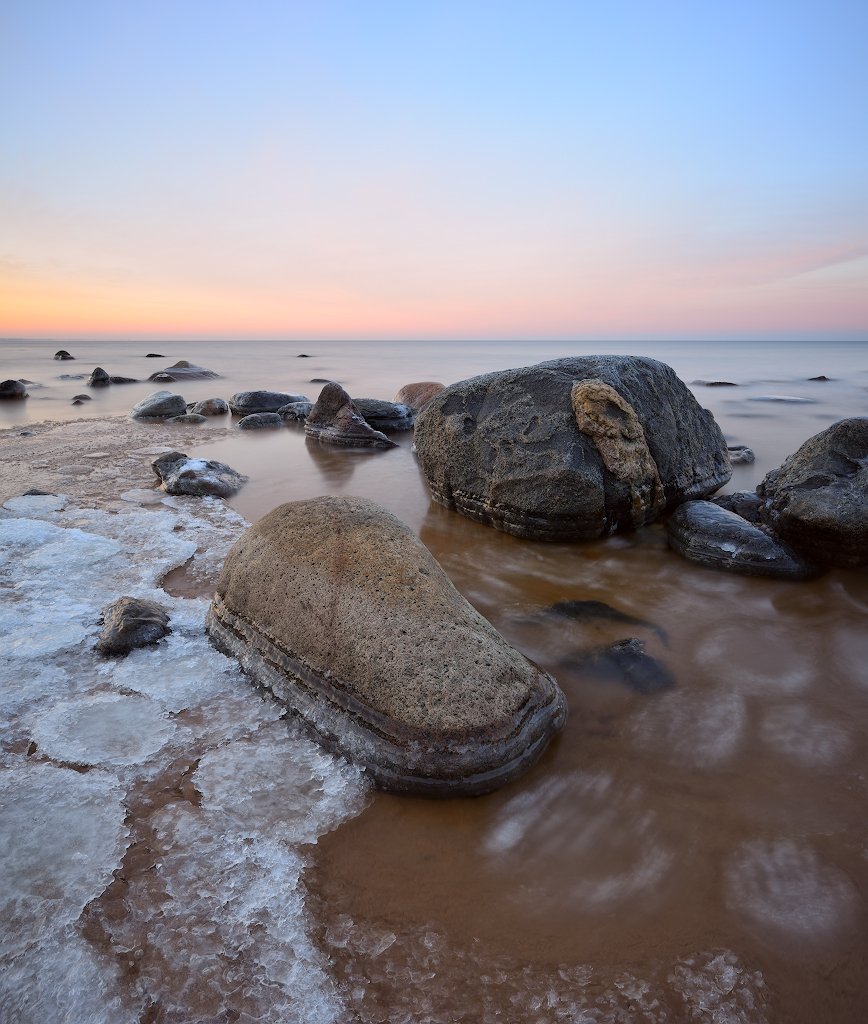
(611, 170)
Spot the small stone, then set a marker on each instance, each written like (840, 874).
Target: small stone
(295, 412)
(99, 378)
(334, 419)
(187, 417)
(199, 477)
(62, 354)
(154, 355)
(703, 532)
(131, 622)
(261, 421)
(83, 398)
(12, 389)
(626, 662)
(740, 455)
(210, 407)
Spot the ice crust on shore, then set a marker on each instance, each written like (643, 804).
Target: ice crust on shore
(85, 739)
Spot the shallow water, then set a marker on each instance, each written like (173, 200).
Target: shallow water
(697, 853)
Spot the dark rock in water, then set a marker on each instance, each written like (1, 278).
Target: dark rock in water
(155, 355)
(82, 398)
(744, 503)
(626, 662)
(99, 378)
(336, 607)
(302, 355)
(570, 449)
(334, 419)
(158, 406)
(716, 383)
(76, 401)
(703, 532)
(821, 377)
(62, 354)
(418, 394)
(792, 399)
(72, 376)
(199, 477)
(320, 380)
(386, 416)
(260, 421)
(295, 412)
(38, 492)
(183, 370)
(210, 407)
(12, 389)
(740, 455)
(584, 611)
(818, 499)
(246, 402)
(187, 417)
(123, 380)
(131, 622)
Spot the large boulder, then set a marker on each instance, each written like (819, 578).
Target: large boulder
(570, 449)
(245, 403)
(159, 406)
(179, 474)
(817, 500)
(183, 370)
(334, 419)
(337, 608)
(706, 533)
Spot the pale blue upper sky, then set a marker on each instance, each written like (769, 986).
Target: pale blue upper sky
(465, 169)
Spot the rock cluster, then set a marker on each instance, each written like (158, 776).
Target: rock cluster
(570, 449)
(334, 419)
(336, 607)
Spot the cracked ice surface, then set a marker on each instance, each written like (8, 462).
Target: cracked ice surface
(232, 866)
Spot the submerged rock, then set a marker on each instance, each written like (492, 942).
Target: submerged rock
(210, 407)
(183, 370)
(334, 419)
(818, 499)
(131, 622)
(628, 663)
(570, 449)
(12, 389)
(336, 607)
(158, 406)
(385, 416)
(62, 354)
(590, 611)
(199, 477)
(99, 378)
(260, 421)
(419, 394)
(123, 380)
(187, 417)
(245, 403)
(703, 532)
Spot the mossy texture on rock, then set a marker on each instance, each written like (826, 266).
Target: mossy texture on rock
(511, 449)
(336, 607)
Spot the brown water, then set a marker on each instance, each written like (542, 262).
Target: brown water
(699, 853)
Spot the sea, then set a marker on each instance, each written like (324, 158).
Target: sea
(173, 849)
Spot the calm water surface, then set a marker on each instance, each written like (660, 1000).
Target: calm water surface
(696, 854)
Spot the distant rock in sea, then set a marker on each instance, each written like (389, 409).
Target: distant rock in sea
(12, 389)
(183, 370)
(62, 354)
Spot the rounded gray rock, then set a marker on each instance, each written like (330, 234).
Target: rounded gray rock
(210, 407)
(337, 608)
(245, 403)
(159, 406)
(199, 477)
(817, 501)
(570, 449)
(260, 421)
(703, 532)
(131, 622)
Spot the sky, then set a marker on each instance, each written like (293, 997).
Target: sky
(420, 169)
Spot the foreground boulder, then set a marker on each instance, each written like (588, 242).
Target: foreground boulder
(158, 406)
(131, 622)
(570, 449)
(705, 532)
(200, 477)
(336, 607)
(245, 403)
(334, 419)
(817, 501)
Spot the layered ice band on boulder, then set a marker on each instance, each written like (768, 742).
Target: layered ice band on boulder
(570, 449)
(335, 606)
